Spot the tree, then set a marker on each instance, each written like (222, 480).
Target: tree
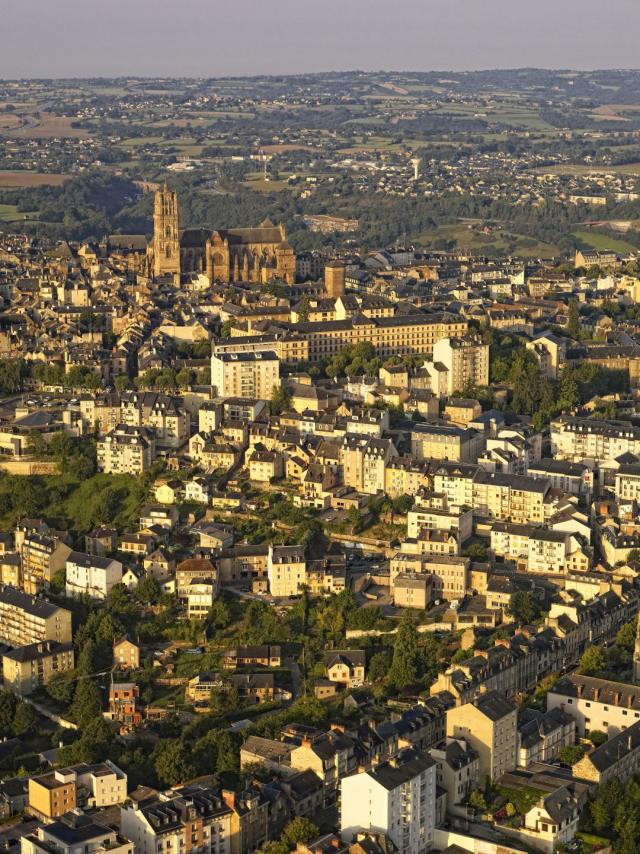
(592, 661)
(86, 702)
(477, 801)
(523, 607)
(299, 829)
(25, 721)
(379, 666)
(8, 705)
(573, 320)
(148, 590)
(476, 551)
(61, 687)
(404, 668)
(280, 399)
(626, 636)
(597, 737)
(571, 754)
(122, 383)
(171, 762)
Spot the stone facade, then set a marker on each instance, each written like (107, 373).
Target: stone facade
(260, 255)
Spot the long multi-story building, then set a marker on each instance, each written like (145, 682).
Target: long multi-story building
(42, 556)
(191, 820)
(538, 549)
(583, 439)
(391, 336)
(26, 619)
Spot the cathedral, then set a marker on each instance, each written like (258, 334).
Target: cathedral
(257, 255)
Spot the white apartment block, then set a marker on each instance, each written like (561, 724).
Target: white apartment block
(126, 450)
(251, 375)
(397, 798)
(91, 575)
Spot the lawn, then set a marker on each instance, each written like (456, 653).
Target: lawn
(10, 213)
(588, 239)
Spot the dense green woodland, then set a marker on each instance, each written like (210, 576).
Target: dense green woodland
(96, 204)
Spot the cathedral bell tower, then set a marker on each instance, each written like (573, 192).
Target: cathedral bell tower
(166, 235)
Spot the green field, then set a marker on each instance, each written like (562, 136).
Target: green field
(598, 240)
(10, 213)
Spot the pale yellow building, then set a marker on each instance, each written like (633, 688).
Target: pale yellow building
(27, 668)
(489, 726)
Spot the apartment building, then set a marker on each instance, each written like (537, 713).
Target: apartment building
(489, 726)
(542, 735)
(445, 442)
(579, 439)
(448, 575)
(73, 834)
(458, 772)
(53, 794)
(189, 820)
(465, 361)
(457, 520)
(364, 460)
(391, 336)
(126, 450)
(252, 375)
(42, 556)
(515, 498)
(26, 619)
(330, 755)
(397, 798)
(537, 549)
(161, 414)
(197, 586)
(405, 476)
(91, 575)
(596, 704)
(286, 570)
(572, 478)
(412, 590)
(27, 668)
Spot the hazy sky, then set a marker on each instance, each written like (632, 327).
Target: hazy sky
(59, 38)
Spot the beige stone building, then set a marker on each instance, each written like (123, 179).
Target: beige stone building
(286, 570)
(489, 726)
(27, 668)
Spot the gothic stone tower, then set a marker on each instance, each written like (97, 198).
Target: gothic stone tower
(166, 236)
(636, 655)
